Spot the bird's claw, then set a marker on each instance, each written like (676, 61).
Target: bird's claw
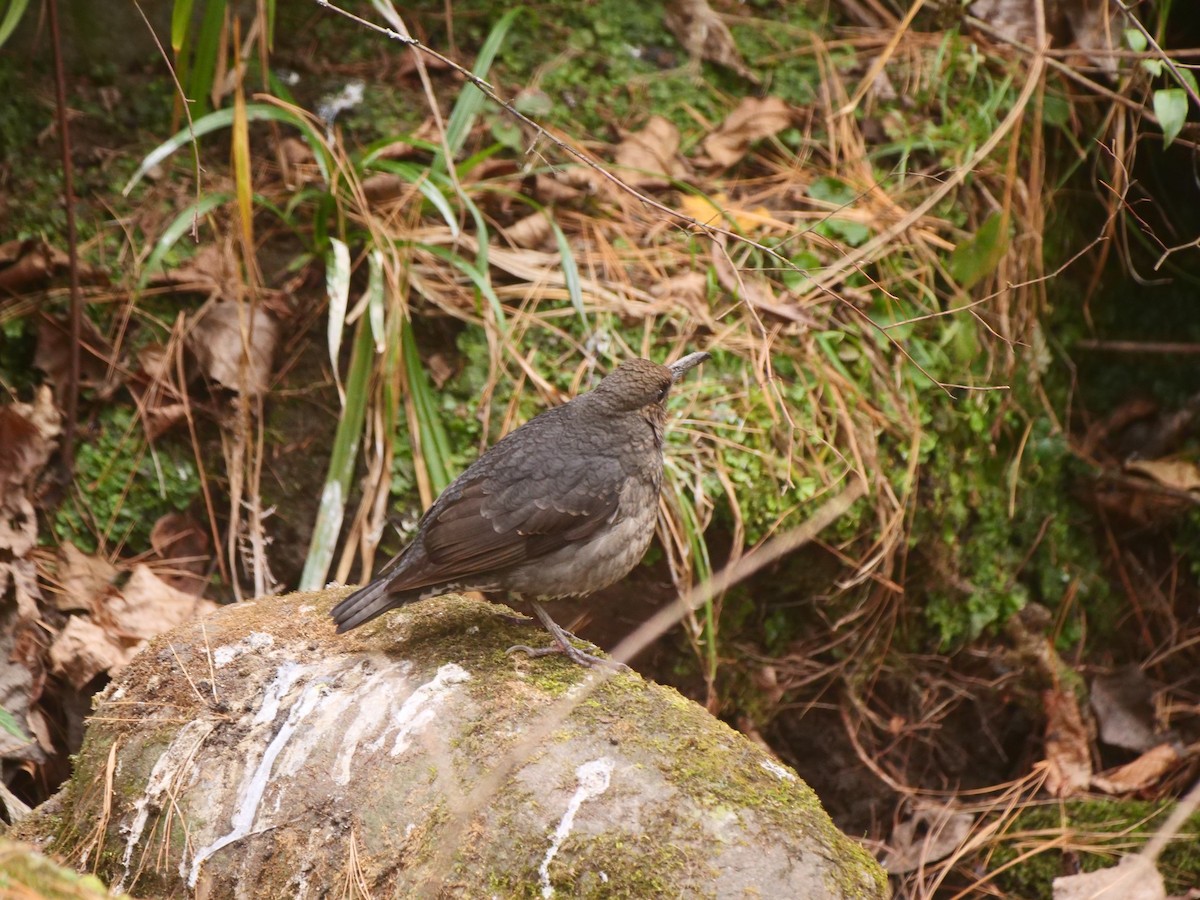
(572, 653)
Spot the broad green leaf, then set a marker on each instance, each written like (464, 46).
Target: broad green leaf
(1171, 107)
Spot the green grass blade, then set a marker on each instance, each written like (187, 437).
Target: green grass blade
(180, 226)
(12, 16)
(478, 278)
(204, 56)
(341, 462)
(435, 444)
(337, 289)
(420, 178)
(222, 118)
(470, 99)
(181, 21)
(570, 272)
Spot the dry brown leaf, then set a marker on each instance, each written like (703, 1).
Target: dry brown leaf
(1144, 772)
(26, 262)
(1180, 474)
(217, 340)
(147, 606)
(550, 189)
(930, 834)
(27, 438)
(754, 289)
(1096, 29)
(83, 650)
(214, 270)
(716, 209)
(704, 35)
(386, 187)
(53, 354)
(181, 541)
(754, 119)
(688, 288)
(1124, 705)
(532, 232)
(83, 580)
(649, 158)
(1068, 760)
(156, 364)
(1133, 878)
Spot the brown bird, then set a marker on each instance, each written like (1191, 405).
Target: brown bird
(563, 506)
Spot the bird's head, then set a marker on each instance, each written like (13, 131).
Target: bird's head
(641, 384)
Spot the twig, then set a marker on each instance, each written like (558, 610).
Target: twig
(64, 143)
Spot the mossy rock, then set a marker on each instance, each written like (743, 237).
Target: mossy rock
(259, 751)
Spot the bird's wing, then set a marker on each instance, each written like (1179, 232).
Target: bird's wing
(523, 510)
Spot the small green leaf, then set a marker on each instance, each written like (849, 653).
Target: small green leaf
(1136, 40)
(9, 723)
(976, 258)
(1171, 107)
(1188, 77)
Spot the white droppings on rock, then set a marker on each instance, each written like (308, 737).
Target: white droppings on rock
(372, 705)
(594, 778)
(285, 676)
(254, 641)
(168, 769)
(422, 705)
(250, 794)
(777, 770)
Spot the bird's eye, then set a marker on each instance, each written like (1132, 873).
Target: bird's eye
(662, 395)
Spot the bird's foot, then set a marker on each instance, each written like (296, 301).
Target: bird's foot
(572, 653)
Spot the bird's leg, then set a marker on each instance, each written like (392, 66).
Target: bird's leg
(562, 641)
(518, 619)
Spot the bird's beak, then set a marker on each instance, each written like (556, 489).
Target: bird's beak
(682, 366)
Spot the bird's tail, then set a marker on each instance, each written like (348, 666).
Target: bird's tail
(369, 602)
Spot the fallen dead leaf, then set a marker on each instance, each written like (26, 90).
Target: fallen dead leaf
(182, 545)
(690, 289)
(753, 289)
(549, 189)
(716, 209)
(1068, 760)
(24, 263)
(1096, 29)
(1133, 878)
(1144, 772)
(704, 35)
(83, 650)
(1124, 705)
(532, 232)
(53, 354)
(83, 580)
(213, 270)
(27, 438)
(649, 158)
(238, 361)
(386, 187)
(147, 606)
(1180, 474)
(930, 834)
(754, 119)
